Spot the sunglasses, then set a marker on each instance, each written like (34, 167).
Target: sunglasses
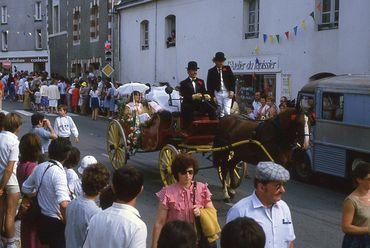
(191, 172)
(278, 186)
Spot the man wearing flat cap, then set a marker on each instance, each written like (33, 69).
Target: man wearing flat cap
(194, 96)
(221, 84)
(266, 206)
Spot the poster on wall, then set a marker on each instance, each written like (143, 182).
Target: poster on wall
(286, 85)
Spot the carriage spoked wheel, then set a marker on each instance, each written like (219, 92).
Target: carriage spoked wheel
(116, 144)
(239, 173)
(166, 157)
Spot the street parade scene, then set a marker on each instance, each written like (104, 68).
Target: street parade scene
(184, 124)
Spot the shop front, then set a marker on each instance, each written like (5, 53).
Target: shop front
(30, 64)
(258, 73)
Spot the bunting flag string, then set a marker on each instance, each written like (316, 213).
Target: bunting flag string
(271, 39)
(313, 15)
(302, 26)
(257, 49)
(287, 35)
(295, 29)
(318, 7)
(17, 32)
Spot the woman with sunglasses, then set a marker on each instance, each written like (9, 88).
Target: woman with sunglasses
(176, 200)
(356, 210)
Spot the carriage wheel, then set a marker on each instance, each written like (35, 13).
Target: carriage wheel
(239, 173)
(116, 144)
(166, 157)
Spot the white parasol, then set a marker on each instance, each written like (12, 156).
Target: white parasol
(127, 89)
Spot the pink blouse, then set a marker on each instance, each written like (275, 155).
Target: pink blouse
(179, 200)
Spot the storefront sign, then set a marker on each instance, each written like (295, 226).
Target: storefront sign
(254, 64)
(26, 60)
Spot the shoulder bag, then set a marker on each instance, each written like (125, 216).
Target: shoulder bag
(30, 209)
(202, 239)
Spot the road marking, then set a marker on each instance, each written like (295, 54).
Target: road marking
(5, 112)
(105, 155)
(51, 115)
(26, 113)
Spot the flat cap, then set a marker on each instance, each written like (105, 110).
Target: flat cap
(270, 171)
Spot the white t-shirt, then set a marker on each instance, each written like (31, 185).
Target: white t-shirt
(9, 151)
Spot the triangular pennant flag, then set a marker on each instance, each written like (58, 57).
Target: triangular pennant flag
(287, 35)
(257, 61)
(271, 39)
(278, 38)
(257, 49)
(264, 38)
(295, 30)
(312, 14)
(303, 24)
(318, 7)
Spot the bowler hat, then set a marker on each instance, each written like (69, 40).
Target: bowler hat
(192, 65)
(219, 56)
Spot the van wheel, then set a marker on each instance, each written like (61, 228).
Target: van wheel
(301, 166)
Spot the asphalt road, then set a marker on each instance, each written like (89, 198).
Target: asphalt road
(315, 207)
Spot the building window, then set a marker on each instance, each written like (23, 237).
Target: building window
(329, 14)
(38, 39)
(4, 40)
(144, 36)
(251, 18)
(332, 106)
(94, 22)
(4, 14)
(171, 31)
(38, 12)
(56, 24)
(76, 26)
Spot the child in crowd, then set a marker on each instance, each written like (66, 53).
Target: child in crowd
(64, 126)
(94, 102)
(250, 112)
(82, 209)
(69, 165)
(44, 96)
(77, 184)
(38, 99)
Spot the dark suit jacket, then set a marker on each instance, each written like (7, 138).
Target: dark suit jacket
(187, 89)
(214, 80)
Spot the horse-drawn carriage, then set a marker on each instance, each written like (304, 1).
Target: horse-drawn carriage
(227, 140)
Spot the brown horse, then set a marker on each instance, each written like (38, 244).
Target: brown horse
(278, 136)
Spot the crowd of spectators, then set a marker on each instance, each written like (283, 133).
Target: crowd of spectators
(38, 91)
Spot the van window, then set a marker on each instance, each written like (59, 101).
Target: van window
(307, 103)
(332, 106)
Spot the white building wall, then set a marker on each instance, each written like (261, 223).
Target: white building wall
(207, 26)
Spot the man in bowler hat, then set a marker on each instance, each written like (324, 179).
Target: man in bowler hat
(195, 97)
(221, 84)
